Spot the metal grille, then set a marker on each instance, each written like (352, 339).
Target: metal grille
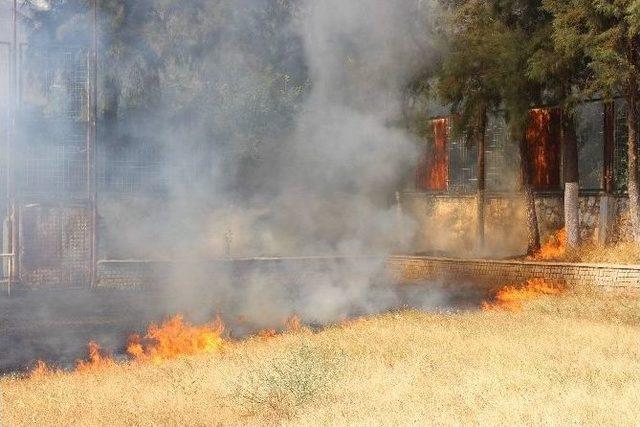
(52, 123)
(5, 93)
(463, 178)
(55, 246)
(501, 157)
(5, 77)
(143, 168)
(620, 158)
(590, 130)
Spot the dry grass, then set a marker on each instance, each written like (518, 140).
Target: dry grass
(573, 359)
(620, 253)
(555, 249)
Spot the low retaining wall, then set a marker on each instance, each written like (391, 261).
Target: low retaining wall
(399, 269)
(496, 273)
(282, 270)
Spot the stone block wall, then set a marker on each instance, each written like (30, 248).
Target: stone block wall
(447, 224)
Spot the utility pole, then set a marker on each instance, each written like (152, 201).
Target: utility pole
(12, 208)
(92, 105)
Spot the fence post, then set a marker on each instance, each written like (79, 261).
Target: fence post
(12, 209)
(91, 142)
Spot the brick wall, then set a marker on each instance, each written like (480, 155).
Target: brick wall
(286, 271)
(402, 269)
(497, 273)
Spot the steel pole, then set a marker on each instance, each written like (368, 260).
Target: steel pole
(11, 188)
(91, 142)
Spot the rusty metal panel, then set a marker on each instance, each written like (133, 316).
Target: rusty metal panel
(55, 246)
(433, 170)
(543, 140)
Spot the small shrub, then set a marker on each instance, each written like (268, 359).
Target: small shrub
(283, 384)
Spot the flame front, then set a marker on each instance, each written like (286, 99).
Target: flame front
(97, 359)
(512, 297)
(175, 338)
(41, 369)
(554, 249)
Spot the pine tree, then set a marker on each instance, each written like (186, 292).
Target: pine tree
(467, 81)
(563, 74)
(609, 34)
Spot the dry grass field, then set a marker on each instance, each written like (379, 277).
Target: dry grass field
(569, 359)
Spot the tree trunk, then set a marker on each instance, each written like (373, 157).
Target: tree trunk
(482, 130)
(533, 235)
(632, 152)
(570, 179)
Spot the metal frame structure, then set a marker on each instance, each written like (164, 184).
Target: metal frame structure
(611, 131)
(16, 196)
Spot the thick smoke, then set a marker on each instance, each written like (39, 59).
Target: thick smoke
(304, 160)
(345, 159)
(249, 128)
(328, 181)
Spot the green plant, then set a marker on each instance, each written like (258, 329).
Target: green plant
(286, 382)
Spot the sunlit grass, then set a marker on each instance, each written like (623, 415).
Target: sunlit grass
(570, 359)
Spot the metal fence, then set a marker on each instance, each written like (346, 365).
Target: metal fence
(502, 154)
(51, 164)
(49, 221)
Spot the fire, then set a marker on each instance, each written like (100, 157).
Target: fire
(175, 338)
(512, 297)
(293, 323)
(169, 340)
(41, 369)
(267, 333)
(97, 359)
(554, 249)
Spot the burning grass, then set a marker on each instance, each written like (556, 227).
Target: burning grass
(555, 249)
(513, 298)
(168, 340)
(175, 338)
(562, 359)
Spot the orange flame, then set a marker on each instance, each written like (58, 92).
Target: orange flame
(169, 340)
(267, 333)
(293, 323)
(512, 297)
(175, 338)
(554, 249)
(97, 359)
(41, 369)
